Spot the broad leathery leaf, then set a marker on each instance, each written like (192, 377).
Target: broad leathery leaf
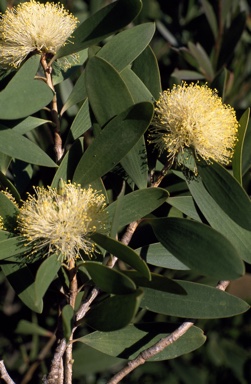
(13, 246)
(114, 313)
(159, 282)
(22, 281)
(24, 95)
(67, 166)
(227, 193)
(156, 254)
(90, 361)
(219, 220)
(77, 94)
(19, 147)
(136, 87)
(237, 159)
(113, 143)
(122, 252)
(126, 46)
(102, 24)
(4, 163)
(109, 280)
(25, 327)
(67, 320)
(4, 235)
(8, 210)
(199, 246)
(135, 164)
(46, 273)
(80, 124)
(28, 124)
(102, 78)
(186, 205)
(149, 74)
(199, 302)
(138, 204)
(129, 342)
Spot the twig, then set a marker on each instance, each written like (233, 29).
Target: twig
(55, 375)
(73, 294)
(58, 148)
(84, 308)
(4, 374)
(159, 346)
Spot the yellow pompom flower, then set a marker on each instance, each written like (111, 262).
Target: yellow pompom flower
(61, 221)
(32, 27)
(1, 223)
(194, 117)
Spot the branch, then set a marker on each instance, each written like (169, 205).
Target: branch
(4, 374)
(58, 148)
(159, 346)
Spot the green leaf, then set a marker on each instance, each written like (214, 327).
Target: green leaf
(202, 59)
(218, 219)
(121, 133)
(114, 313)
(148, 74)
(25, 327)
(137, 204)
(135, 164)
(123, 253)
(68, 165)
(67, 320)
(28, 124)
(22, 281)
(81, 123)
(200, 247)
(77, 94)
(89, 360)
(102, 24)
(15, 145)
(237, 159)
(199, 302)
(7, 184)
(159, 282)
(102, 78)
(227, 193)
(126, 46)
(23, 95)
(136, 87)
(156, 254)
(8, 210)
(186, 205)
(45, 275)
(12, 247)
(185, 74)
(109, 280)
(128, 342)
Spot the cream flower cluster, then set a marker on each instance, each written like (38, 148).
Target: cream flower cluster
(194, 116)
(1, 223)
(32, 27)
(62, 223)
